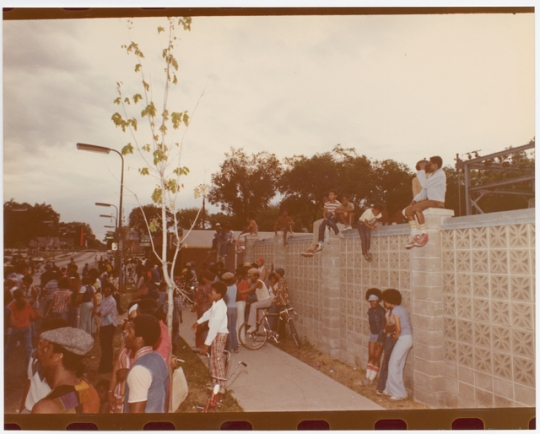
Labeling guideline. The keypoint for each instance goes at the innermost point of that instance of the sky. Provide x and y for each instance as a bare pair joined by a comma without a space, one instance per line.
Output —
402,87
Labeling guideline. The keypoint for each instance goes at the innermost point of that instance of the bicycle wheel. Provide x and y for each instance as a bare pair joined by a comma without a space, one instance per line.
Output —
294,334
252,341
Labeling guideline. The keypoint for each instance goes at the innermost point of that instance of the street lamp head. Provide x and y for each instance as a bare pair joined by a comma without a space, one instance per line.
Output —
103,204
107,216
93,148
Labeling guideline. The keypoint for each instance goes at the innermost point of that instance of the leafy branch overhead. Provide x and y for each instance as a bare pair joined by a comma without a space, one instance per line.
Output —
157,154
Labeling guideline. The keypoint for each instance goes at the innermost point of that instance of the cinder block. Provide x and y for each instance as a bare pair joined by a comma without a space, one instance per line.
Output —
483,398
433,306
483,381
429,367
504,388
433,399
451,370
525,395
466,375
451,386
500,402
426,322
466,391
430,353
428,337
451,401
428,382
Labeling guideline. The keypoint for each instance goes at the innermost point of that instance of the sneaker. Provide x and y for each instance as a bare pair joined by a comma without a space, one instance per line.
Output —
308,253
346,228
412,242
319,248
421,241
340,235
367,382
394,398
379,392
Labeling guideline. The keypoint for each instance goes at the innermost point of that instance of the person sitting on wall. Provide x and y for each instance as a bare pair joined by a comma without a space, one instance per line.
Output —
431,196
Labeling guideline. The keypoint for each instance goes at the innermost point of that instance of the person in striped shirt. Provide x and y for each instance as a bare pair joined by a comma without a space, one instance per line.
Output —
329,218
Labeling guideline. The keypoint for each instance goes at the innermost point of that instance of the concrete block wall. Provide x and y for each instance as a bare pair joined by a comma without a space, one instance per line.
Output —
469,293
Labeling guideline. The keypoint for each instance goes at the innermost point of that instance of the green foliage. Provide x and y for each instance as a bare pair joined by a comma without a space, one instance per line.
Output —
245,183
128,149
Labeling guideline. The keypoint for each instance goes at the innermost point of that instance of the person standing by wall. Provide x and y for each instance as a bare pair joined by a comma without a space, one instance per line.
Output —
404,342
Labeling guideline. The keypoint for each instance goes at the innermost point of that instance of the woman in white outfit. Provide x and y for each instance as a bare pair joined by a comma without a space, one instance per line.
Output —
404,341
264,298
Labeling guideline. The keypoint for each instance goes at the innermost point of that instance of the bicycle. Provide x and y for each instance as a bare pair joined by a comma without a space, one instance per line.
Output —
258,339
214,401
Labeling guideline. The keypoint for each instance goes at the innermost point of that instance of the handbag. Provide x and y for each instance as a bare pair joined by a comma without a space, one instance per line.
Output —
390,328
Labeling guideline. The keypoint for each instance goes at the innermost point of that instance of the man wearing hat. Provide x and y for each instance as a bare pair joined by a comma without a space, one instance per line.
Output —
61,354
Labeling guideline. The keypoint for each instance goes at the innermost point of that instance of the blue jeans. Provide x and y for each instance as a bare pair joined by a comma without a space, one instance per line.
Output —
223,248
24,336
383,372
365,237
232,340
331,222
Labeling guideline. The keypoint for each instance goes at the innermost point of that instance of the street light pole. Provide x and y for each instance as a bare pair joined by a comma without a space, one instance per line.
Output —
104,150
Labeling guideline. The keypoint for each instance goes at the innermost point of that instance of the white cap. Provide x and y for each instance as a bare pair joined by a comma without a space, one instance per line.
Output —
133,308
373,297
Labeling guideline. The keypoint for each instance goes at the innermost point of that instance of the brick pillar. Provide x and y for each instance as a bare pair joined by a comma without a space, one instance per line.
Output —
427,312
330,302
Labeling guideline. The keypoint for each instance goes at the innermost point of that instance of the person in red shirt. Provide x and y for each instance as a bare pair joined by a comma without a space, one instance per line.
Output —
22,313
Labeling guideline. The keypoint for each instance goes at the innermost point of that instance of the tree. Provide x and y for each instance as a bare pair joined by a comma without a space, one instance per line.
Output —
245,183
161,149
23,222
306,181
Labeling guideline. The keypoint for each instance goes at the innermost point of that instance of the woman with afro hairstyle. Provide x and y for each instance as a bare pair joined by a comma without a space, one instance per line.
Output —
404,341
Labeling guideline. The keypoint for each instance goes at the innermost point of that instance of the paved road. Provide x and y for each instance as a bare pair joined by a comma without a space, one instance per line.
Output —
276,381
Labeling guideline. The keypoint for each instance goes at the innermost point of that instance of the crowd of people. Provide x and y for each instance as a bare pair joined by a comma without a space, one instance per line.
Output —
67,316
57,321
60,320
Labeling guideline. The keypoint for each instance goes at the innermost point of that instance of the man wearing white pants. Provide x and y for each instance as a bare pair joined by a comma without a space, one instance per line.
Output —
264,298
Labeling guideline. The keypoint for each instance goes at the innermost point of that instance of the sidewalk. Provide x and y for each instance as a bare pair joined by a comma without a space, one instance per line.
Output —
276,381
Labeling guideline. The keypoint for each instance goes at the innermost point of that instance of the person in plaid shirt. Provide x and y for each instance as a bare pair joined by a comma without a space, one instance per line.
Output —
217,333
61,300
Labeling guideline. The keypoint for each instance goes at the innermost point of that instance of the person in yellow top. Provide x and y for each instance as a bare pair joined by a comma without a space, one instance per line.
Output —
345,212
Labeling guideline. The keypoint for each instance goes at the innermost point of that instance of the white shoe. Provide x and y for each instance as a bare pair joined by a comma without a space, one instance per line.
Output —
394,398
319,248
340,235
252,330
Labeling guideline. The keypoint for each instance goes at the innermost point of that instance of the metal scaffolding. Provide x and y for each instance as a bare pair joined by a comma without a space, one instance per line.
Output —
488,162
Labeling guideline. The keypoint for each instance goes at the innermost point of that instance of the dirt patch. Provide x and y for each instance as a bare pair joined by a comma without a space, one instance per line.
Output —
343,373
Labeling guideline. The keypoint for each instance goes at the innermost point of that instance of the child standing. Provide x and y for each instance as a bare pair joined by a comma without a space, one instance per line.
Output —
367,223
217,333
377,320
329,218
